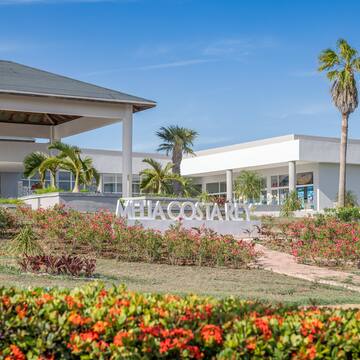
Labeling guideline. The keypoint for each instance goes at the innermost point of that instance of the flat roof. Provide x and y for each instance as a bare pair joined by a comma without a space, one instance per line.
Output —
25,80
272,140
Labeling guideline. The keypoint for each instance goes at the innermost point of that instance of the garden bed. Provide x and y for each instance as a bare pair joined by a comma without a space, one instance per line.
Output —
98,322
323,240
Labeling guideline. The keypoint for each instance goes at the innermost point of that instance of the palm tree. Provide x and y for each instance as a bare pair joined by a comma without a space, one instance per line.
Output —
32,164
248,185
157,179
188,188
177,141
70,159
341,66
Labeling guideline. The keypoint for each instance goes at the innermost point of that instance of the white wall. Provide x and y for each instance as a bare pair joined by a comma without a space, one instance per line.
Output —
329,183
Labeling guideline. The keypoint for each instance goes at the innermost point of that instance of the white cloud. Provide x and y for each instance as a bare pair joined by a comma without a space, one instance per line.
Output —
238,46
174,64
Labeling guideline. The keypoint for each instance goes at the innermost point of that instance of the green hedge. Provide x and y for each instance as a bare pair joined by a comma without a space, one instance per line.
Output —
97,323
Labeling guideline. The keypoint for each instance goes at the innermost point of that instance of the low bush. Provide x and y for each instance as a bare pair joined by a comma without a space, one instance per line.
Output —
345,214
322,240
102,234
25,242
94,322
7,221
58,265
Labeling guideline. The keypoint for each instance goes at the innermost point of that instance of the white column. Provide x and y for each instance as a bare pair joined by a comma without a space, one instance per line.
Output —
127,155
292,176
100,185
229,185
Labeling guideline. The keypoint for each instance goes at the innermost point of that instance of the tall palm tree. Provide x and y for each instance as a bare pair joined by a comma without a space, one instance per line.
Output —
157,179
248,185
177,141
71,160
341,65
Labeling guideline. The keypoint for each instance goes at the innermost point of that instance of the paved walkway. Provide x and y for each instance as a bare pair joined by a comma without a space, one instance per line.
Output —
283,263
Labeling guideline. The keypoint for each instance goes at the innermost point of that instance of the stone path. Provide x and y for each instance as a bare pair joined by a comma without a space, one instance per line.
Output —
283,263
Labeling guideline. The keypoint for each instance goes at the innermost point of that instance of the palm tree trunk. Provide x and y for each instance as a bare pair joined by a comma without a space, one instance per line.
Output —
76,185
53,179
342,169
176,159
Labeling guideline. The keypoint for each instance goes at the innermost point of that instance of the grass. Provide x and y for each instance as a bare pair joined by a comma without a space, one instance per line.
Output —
218,282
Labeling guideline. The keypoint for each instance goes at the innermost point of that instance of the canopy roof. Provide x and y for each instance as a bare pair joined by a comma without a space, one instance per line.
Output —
20,79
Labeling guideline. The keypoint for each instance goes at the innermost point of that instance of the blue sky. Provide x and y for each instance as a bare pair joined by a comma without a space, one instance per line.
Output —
233,70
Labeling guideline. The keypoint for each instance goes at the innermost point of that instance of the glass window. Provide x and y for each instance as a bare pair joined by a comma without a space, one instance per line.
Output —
263,197
64,176
263,183
283,194
65,185
109,188
212,188
283,180
306,178
274,181
223,187
274,197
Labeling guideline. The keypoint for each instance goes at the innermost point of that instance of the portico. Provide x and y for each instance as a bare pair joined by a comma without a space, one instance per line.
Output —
39,104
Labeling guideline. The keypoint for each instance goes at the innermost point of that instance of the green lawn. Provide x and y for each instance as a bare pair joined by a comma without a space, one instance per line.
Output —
219,282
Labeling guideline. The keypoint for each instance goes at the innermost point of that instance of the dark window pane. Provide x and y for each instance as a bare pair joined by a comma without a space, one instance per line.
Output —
263,183
284,180
274,181
109,188
222,187
64,185
305,178
64,176
212,188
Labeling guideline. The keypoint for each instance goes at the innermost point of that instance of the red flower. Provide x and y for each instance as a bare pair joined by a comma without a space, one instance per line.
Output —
100,327
212,333
21,310
262,325
16,353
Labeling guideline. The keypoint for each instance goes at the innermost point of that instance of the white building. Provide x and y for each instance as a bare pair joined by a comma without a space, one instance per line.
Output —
38,104
308,163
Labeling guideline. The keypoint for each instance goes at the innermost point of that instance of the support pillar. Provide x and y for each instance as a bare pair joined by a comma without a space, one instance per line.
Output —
229,185
292,176
127,135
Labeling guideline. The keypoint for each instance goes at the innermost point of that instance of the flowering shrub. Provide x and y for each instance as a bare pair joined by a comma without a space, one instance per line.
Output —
94,322
58,265
7,221
324,241
102,234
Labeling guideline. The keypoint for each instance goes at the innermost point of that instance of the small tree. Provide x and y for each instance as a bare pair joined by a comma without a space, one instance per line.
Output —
248,186
157,179
292,203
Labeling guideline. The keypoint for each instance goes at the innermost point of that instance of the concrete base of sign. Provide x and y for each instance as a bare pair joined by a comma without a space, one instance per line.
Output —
85,202
236,228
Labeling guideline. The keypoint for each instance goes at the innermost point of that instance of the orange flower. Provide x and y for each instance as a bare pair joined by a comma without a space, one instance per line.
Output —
118,339
6,301
311,352
21,310
212,333
262,325
100,327
251,345
17,353
77,319
89,336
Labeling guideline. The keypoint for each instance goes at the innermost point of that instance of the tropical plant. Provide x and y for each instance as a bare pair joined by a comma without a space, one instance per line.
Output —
292,203
177,141
32,166
25,242
341,66
350,199
157,179
248,186
188,188
71,160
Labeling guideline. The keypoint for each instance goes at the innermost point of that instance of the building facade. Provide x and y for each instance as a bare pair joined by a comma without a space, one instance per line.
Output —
308,164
